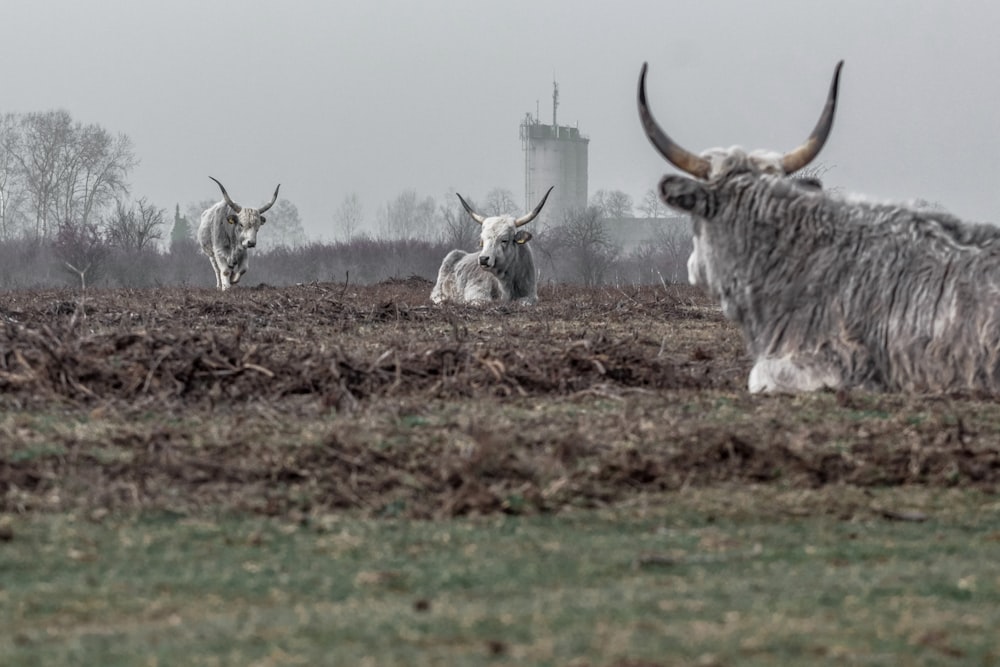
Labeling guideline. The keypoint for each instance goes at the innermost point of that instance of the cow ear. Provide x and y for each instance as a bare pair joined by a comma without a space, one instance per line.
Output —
522,237
688,195
232,219
263,220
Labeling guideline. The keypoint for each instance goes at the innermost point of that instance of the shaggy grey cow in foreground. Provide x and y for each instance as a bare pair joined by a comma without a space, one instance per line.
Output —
831,291
225,236
503,270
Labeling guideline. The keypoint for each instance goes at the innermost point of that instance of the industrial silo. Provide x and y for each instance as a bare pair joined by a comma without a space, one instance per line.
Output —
554,155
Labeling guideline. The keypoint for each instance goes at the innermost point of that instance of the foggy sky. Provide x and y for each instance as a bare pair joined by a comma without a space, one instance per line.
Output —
377,97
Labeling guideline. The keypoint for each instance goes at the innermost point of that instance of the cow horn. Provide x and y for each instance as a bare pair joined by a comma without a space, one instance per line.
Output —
270,203
468,209
525,219
807,152
681,158
233,205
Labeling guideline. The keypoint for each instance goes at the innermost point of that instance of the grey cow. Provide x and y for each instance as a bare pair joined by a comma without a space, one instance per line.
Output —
836,292
503,270
226,232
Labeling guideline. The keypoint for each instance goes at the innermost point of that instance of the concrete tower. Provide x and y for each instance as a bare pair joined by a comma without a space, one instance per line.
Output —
554,155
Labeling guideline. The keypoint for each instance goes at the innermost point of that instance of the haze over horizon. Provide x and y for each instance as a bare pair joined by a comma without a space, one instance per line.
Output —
377,98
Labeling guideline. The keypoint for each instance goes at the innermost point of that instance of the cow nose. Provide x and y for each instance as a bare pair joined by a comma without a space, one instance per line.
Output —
251,244
484,260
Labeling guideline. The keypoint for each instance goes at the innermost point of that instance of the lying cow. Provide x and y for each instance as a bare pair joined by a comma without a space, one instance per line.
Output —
503,270
226,232
832,292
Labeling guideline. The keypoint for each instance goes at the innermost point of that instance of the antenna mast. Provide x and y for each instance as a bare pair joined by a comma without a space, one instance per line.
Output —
555,104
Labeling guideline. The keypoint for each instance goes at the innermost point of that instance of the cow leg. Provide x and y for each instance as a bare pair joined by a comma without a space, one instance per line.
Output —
438,293
485,289
235,273
217,270
238,268
446,288
222,267
792,374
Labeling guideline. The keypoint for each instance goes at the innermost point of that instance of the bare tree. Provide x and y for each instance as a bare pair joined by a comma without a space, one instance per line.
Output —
349,216
283,228
12,194
82,250
98,171
135,228
612,204
584,238
42,137
651,205
500,201
67,170
673,241
407,217
458,230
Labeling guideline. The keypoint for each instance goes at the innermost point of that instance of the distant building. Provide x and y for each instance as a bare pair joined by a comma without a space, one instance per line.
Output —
554,155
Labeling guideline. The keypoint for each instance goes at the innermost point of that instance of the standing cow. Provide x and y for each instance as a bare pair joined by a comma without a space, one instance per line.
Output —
834,292
503,270
226,232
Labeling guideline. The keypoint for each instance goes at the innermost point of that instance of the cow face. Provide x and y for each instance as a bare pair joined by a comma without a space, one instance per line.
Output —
501,238
499,241
699,201
247,222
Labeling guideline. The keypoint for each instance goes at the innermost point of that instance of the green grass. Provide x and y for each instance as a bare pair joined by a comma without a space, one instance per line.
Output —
724,576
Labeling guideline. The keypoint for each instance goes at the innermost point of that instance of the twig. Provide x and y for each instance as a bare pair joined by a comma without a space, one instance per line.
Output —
152,369
259,369
902,515
347,281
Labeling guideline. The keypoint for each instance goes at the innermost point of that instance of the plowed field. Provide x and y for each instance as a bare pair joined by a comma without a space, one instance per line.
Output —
371,400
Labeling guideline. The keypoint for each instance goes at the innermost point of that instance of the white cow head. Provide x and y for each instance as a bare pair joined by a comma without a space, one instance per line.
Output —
719,163
247,220
501,237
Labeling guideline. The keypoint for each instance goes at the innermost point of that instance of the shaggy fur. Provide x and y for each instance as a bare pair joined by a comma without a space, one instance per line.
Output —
504,270
834,292
226,243
226,233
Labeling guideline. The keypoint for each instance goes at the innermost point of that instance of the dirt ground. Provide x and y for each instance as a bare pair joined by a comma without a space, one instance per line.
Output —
330,397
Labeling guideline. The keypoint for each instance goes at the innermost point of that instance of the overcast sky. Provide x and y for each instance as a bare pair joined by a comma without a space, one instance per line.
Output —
376,97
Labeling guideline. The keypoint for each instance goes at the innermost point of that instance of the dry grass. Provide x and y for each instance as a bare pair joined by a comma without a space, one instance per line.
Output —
369,400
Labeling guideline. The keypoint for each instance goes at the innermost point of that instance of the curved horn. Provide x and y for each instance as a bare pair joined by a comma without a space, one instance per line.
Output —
468,209
795,159
270,203
681,158
233,205
528,217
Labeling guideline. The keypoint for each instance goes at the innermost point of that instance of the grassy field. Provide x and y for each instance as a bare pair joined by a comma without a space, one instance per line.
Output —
727,576
319,475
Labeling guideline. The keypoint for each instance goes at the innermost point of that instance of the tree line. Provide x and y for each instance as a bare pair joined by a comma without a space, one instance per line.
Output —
67,217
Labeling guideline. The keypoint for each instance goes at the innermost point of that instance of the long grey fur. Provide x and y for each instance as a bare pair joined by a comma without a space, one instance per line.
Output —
836,292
